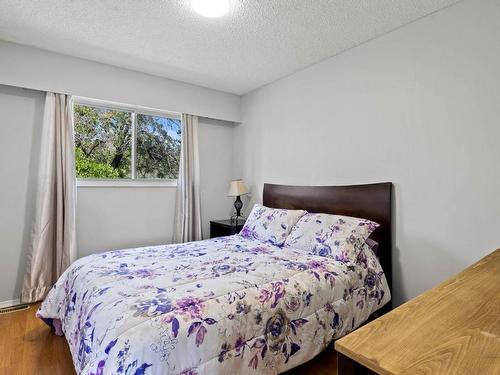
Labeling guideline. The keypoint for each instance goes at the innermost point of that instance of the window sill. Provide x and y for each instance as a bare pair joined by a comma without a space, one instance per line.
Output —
127,183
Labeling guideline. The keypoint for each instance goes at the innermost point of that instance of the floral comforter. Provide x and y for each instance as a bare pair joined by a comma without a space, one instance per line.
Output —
224,306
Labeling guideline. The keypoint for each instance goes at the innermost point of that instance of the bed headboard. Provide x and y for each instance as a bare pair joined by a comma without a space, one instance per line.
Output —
371,201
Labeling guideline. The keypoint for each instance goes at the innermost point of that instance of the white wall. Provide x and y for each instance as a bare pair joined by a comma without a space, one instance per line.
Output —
216,171
37,69
107,218
420,107
114,218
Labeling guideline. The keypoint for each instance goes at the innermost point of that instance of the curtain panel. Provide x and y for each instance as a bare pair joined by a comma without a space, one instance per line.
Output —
188,208
53,237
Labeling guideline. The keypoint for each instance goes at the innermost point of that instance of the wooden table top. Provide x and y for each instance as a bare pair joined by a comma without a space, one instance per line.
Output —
453,328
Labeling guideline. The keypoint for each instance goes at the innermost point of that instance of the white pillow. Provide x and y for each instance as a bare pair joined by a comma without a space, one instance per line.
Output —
270,224
334,236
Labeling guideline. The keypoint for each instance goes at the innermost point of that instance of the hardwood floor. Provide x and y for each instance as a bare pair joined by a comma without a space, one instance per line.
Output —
28,346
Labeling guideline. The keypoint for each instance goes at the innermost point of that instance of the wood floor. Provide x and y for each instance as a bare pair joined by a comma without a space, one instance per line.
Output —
28,346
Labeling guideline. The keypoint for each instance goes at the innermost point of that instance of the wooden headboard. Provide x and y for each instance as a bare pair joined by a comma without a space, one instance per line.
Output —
371,201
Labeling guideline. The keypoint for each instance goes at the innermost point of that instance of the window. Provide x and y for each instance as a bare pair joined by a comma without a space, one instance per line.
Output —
120,143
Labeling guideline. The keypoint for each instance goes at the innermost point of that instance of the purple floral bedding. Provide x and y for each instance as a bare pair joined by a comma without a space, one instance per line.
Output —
230,305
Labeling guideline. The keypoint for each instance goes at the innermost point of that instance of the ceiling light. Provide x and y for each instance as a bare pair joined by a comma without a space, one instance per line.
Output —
211,8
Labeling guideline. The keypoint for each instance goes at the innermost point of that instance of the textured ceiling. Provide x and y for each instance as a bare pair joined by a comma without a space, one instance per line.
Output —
257,43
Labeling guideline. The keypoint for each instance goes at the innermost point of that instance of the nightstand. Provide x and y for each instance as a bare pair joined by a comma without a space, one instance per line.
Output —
220,228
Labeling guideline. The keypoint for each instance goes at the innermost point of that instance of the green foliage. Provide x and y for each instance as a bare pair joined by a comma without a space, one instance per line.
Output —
88,168
103,142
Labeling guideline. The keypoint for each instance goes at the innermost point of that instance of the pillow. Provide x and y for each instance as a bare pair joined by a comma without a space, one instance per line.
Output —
270,224
334,236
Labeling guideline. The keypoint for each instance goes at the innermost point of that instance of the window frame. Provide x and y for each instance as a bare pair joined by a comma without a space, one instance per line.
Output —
134,110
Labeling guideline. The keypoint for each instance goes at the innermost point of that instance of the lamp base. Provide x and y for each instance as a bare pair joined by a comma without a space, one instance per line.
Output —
238,204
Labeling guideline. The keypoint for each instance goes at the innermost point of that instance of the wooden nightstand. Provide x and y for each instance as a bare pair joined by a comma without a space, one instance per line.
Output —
220,228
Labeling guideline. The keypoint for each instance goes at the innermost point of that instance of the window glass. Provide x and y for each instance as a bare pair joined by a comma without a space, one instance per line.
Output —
102,142
158,147
120,144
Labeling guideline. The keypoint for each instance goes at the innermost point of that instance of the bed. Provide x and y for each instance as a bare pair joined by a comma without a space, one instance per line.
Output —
231,305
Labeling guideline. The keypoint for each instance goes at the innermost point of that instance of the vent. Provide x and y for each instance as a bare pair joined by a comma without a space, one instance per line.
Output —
10,309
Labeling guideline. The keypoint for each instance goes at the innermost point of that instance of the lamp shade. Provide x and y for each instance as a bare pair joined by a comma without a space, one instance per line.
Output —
237,188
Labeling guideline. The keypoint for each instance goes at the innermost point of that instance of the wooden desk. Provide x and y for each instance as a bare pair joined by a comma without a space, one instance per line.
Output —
453,328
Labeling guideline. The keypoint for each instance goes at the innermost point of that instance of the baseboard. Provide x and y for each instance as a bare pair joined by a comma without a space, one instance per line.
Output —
12,302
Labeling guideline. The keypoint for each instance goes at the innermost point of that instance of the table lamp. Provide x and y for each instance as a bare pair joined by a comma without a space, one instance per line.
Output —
237,189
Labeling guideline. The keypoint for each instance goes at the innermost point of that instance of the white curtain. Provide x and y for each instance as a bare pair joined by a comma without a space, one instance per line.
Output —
53,240
188,212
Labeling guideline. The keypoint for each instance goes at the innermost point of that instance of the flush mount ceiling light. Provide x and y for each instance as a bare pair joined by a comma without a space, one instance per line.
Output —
211,8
